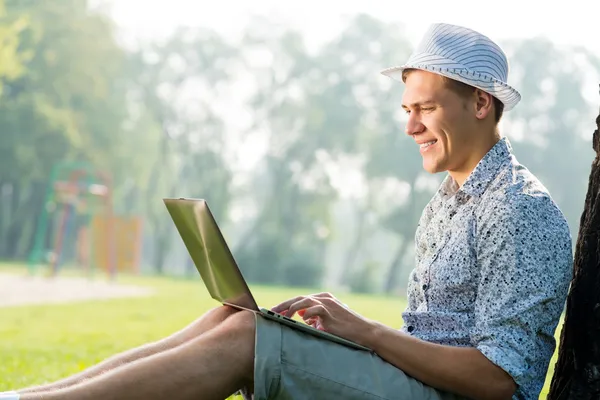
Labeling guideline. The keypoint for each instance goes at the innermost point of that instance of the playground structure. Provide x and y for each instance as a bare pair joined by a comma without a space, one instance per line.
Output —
78,210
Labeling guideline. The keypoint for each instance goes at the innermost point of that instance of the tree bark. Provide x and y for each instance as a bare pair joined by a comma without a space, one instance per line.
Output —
394,269
347,267
577,372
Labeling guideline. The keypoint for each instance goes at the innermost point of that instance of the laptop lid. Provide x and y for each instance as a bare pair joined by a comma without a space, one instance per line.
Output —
209,252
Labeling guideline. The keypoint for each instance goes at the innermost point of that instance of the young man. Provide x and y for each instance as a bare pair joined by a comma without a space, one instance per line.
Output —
493,264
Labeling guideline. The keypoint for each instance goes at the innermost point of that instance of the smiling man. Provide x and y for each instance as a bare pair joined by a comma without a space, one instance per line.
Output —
493,264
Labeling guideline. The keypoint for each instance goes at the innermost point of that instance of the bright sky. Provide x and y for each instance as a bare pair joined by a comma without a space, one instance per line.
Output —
570,22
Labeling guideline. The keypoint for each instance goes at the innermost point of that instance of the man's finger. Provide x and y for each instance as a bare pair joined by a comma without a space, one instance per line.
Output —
315,312
329,300
279,308
332,300
301,305
325,295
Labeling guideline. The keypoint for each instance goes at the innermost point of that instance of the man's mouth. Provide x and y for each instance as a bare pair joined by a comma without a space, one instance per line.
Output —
426,145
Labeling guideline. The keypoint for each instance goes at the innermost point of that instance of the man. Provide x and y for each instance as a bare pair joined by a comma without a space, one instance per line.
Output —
493,264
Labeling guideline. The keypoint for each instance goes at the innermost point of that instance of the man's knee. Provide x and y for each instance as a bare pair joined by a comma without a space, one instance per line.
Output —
213,317
241,323
222,312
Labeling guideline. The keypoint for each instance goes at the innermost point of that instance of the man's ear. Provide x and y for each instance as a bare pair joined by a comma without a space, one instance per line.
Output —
483,104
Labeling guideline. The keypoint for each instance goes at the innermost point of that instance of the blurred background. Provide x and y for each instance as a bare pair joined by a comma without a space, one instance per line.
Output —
275,112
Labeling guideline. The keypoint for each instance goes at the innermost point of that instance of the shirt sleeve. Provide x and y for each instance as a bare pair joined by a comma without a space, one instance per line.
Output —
524,253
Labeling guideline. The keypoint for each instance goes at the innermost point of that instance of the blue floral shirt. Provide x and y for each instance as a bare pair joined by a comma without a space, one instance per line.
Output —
494,262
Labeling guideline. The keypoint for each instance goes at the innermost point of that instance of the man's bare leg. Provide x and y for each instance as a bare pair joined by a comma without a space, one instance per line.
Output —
211,366
202,325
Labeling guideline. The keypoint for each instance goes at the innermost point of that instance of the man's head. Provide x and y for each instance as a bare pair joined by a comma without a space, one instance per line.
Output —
456,92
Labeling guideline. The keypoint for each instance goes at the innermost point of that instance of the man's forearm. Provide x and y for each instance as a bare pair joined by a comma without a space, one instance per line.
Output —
460,370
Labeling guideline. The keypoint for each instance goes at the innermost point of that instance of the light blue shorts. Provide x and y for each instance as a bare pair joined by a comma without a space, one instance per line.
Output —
290,364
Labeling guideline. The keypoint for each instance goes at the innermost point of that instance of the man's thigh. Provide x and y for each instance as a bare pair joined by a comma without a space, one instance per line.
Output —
290,364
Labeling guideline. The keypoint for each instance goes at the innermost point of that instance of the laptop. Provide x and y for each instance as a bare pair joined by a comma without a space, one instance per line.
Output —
218,269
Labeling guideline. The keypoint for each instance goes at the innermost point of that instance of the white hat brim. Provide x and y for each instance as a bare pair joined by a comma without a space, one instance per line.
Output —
508,95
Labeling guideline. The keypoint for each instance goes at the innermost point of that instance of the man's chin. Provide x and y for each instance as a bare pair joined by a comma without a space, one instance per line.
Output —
432,168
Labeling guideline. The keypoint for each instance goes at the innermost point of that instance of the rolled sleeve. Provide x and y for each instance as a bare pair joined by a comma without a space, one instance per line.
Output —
525,263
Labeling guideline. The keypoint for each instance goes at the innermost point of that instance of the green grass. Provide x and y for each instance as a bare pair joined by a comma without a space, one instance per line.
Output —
44,343
47,342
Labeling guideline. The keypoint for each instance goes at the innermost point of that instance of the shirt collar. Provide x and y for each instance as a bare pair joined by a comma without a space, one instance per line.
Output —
485,171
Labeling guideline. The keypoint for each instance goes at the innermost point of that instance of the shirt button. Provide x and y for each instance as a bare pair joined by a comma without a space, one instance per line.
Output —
424,287
410,328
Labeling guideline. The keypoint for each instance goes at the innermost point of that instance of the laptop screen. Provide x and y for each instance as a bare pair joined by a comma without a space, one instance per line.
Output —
209,252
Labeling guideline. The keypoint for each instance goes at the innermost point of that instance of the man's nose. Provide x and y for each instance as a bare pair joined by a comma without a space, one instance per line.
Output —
414,125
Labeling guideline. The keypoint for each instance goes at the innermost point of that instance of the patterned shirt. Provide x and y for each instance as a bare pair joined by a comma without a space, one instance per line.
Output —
494,262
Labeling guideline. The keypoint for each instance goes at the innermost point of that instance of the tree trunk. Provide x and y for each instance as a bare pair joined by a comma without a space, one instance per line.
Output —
347,267
394,268
411,218
577,372
161,248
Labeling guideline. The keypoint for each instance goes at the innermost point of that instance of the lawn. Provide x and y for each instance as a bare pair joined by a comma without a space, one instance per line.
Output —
47,342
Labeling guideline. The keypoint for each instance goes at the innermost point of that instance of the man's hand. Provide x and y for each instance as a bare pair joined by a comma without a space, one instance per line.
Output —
323,311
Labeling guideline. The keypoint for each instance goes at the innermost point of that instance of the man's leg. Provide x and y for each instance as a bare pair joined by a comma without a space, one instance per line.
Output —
202,325
211,366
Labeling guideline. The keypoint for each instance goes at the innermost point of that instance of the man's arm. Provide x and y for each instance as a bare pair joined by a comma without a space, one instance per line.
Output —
460,370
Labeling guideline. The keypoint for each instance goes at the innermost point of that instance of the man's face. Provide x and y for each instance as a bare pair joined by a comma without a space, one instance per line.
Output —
440,121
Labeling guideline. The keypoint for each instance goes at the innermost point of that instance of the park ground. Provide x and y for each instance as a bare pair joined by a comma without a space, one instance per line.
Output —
48,341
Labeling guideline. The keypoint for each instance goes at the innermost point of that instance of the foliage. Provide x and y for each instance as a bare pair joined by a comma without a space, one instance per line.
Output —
11,57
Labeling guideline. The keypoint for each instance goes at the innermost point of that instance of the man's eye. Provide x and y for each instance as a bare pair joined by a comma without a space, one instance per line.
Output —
427,109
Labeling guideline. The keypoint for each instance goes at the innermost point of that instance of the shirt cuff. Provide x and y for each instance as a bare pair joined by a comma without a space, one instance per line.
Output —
509,360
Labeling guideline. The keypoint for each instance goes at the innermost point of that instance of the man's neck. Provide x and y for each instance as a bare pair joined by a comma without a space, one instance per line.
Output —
479,151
